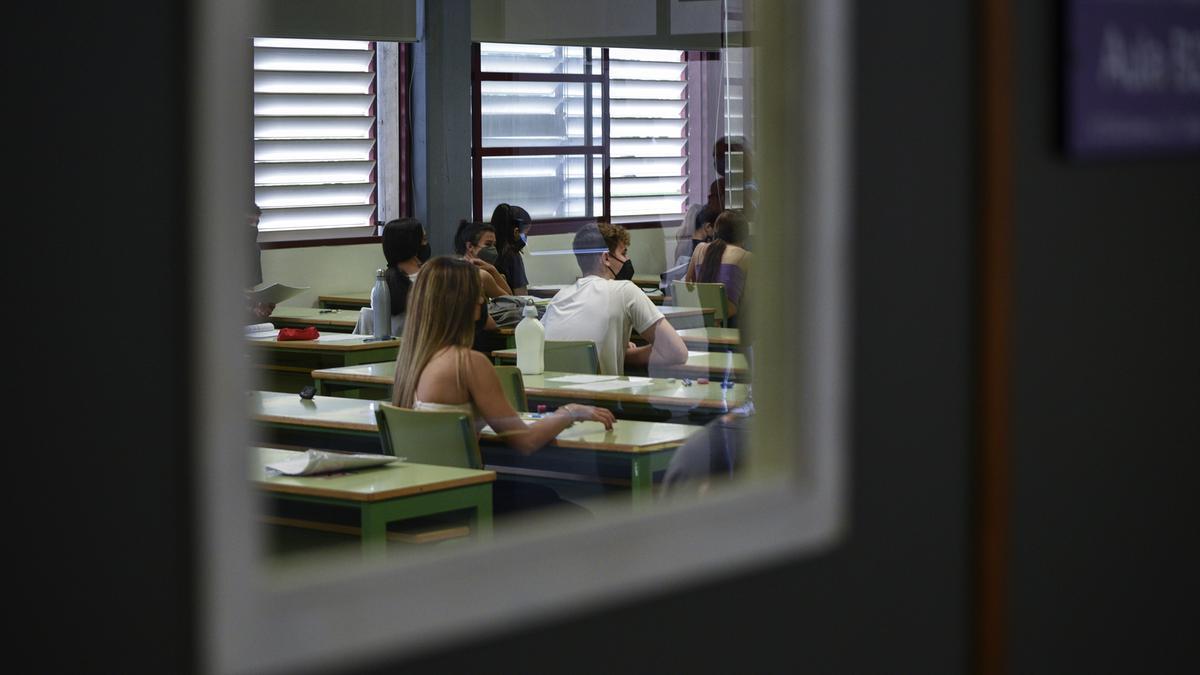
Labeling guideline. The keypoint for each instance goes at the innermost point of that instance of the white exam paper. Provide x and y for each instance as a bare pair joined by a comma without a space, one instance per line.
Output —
579,379
319,461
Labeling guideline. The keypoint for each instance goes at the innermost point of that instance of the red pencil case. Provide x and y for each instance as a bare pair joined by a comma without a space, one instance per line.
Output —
309,333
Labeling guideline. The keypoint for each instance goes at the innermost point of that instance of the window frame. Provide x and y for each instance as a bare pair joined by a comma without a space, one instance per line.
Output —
346,617
587,151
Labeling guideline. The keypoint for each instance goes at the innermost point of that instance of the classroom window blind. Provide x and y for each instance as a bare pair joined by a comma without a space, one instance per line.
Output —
581,132
314,133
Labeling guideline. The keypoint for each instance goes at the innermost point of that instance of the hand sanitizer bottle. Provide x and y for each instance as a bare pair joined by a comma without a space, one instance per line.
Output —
531,343
381,306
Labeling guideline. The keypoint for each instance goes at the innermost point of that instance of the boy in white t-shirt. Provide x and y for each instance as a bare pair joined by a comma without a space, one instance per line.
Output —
605,307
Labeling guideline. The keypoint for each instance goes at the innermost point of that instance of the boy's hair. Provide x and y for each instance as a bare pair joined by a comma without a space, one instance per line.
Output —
595,238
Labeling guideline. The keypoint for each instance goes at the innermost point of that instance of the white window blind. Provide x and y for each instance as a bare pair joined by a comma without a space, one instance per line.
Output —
314,133
647,115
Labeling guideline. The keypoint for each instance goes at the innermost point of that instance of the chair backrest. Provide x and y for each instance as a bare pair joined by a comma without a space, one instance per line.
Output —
572,356
426,437
514,387
706,296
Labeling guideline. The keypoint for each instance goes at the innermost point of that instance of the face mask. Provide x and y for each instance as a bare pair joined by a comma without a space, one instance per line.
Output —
626,271
520,242
488,254
719,164
424,252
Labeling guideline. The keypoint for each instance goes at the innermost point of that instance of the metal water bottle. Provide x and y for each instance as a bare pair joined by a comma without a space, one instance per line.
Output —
381,306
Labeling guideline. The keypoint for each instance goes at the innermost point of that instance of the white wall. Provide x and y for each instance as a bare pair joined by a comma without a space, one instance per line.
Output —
324,269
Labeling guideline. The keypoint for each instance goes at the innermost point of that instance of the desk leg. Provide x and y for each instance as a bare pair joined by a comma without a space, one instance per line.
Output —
374,522
481,521
641,480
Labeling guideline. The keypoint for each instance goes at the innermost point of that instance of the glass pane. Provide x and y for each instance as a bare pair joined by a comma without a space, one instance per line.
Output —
548,186
525,114
497,57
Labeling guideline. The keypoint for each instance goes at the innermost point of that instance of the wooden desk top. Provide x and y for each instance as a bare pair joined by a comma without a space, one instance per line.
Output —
714,336
311,316
667,392
330,412
671,310
646,280
326,342
375,484
549,290
698,364
362,298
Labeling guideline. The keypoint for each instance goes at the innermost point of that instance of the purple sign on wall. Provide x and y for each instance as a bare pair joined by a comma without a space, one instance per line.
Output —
1133,77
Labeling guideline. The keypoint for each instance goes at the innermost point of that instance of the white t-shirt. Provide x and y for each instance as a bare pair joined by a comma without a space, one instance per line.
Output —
604,311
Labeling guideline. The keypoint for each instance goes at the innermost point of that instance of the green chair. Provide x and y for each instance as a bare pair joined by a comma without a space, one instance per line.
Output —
703,295
514,387
572,356
426,437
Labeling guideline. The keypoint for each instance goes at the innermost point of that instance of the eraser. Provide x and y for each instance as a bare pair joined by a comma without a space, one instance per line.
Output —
703,380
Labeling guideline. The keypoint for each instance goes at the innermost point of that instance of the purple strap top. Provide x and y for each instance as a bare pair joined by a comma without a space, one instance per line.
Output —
734,279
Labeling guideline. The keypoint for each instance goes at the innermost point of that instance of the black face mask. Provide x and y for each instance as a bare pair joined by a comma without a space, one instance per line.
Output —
519,243
424,253
626,271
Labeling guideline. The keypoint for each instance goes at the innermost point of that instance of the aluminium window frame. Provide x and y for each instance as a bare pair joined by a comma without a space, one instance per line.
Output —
252,621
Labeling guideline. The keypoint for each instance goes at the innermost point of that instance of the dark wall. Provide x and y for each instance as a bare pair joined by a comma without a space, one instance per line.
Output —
1106,403
95,221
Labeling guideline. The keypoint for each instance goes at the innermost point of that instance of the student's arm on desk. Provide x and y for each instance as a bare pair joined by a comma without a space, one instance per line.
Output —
494,284
666,348
484,389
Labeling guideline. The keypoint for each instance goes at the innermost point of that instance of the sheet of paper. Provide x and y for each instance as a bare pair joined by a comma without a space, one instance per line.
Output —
273,294
319,461
341,337
264,335
579,379
608,385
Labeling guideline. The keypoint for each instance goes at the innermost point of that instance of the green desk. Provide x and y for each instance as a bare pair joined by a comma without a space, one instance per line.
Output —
644,398
712,339
647,281
345,301
331,320
626,456
385,494
711,365
288,366
549,290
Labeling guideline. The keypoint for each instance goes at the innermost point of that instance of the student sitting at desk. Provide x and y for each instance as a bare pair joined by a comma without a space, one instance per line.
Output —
605,307
437,370
724,261
511,224
406,247
476,243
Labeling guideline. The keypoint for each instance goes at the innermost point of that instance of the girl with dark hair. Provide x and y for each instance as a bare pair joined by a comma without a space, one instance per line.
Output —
405,247
724,260
512,226
476,243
